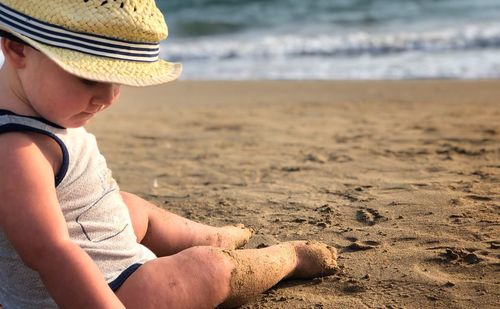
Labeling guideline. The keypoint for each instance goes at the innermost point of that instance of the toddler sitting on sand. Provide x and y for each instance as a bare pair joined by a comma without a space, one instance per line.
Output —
68,236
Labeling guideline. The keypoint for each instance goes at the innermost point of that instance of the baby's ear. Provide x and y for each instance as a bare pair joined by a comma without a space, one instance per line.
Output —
14,53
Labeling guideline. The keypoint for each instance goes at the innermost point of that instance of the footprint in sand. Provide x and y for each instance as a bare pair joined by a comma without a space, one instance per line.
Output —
261,241
460,255
480,198
340,158
494,244
327,214
362,245
369,216
434,276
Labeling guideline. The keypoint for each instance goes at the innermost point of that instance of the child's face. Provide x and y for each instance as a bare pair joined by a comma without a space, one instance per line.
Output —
60,97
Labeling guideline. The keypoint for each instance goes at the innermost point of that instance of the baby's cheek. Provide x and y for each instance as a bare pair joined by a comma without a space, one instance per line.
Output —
60,93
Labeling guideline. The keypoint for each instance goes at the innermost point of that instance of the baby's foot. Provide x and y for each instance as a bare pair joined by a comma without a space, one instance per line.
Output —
314,259
231,237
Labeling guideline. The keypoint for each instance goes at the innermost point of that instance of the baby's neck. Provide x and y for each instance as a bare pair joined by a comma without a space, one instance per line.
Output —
10,94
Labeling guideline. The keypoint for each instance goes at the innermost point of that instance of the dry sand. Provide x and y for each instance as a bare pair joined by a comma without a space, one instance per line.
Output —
403,178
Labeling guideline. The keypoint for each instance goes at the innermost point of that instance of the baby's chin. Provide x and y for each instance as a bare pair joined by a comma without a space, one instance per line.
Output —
75,122
77,125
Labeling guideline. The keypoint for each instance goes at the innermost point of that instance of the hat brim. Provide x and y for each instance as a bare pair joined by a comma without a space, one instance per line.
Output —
102,69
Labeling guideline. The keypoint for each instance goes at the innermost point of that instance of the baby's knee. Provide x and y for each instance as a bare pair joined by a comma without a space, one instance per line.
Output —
213,259
215,266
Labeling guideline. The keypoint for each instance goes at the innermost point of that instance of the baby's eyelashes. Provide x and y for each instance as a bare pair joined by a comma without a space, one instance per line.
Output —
88,82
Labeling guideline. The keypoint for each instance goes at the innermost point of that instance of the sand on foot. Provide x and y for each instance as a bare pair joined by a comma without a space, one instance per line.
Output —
259,269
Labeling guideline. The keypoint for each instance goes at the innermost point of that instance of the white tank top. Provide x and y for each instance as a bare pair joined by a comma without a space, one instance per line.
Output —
97,218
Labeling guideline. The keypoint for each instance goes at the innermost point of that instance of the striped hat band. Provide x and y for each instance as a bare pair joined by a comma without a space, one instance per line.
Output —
57,36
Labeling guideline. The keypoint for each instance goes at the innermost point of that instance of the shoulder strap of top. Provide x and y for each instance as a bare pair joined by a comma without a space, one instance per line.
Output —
10,122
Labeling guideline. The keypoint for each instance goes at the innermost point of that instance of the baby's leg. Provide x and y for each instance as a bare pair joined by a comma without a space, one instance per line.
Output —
258,270
204,277
166,233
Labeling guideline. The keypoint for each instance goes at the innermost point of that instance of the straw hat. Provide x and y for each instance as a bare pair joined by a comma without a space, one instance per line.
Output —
113,41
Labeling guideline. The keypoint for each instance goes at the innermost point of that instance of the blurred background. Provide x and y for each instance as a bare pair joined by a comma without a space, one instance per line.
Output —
333,39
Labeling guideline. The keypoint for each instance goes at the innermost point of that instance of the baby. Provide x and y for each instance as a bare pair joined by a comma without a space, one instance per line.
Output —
68,236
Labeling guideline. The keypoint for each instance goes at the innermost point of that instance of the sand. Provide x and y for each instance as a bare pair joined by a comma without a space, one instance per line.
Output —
403,178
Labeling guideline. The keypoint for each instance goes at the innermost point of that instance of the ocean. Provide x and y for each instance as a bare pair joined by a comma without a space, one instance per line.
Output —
333,39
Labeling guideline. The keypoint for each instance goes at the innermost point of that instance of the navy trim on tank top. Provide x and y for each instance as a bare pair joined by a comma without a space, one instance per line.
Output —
15,127
118,282
7,112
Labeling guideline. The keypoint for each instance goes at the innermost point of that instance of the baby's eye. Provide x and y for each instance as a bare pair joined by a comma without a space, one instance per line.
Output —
88,82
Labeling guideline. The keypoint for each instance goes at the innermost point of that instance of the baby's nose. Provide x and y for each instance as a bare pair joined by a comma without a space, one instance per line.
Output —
106,94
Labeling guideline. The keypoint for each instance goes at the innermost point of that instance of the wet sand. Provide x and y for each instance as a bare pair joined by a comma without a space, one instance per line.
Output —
403,178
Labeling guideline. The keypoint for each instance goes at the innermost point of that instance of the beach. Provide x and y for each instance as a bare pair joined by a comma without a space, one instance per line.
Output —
402,177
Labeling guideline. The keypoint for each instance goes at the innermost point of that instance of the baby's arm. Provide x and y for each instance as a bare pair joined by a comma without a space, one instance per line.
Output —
31,219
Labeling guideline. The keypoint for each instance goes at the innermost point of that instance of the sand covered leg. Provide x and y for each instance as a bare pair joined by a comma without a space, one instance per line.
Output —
204,277
258,270
166,233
